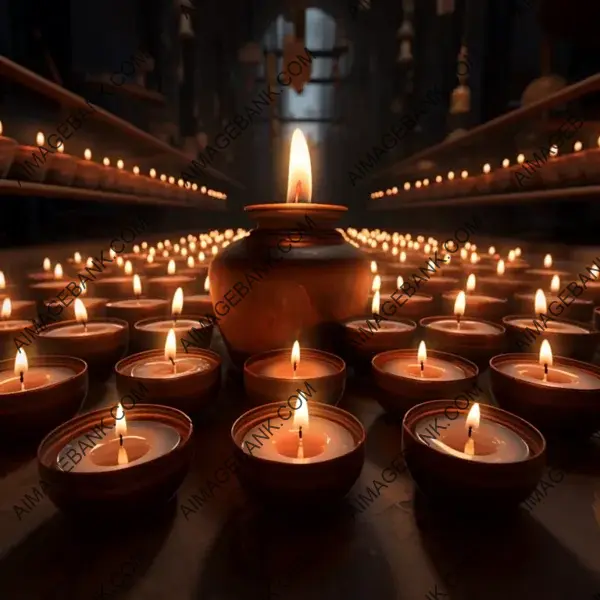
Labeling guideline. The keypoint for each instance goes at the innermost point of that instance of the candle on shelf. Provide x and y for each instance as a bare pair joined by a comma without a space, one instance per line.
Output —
89,173
61,167
139,308
23,153
557,394
481,306
8,147
271,375
48,288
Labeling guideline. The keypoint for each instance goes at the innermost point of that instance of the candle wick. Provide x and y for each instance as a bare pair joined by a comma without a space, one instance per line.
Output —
121,439
85,326
470,430
22,378
457,321
174,365
300,432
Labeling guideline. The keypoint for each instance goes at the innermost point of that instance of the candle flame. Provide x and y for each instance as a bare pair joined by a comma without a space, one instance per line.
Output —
492,250
21,363
546,353
399,281
376,303
402,257
422,352
137,285
474,258
376,285
486,168
214,250
518,251
207,284
128,268
6,308
2,280
112,254
295,356
540,304
474,416
555,284
299,188
171,345
177,303
77,257
106,161
373,267
1,129
511,256
150,259
548,261
471,281
89,262
301,412
40,139
58,271
120,164
500,268
120,422
61,148
136,170
190,262
81,315
171,267
460,304
87,154
153,173
47,265
120,262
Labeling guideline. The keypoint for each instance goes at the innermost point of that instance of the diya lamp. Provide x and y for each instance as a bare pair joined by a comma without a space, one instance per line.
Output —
577,309
43,290
37,397
8,147
406,377
99,342
89,173
165,286
363,337
472,338
448,267
502,285
148,334
544,276
151,264
314,456
413,307
475,265
194,269
486,457
200,304
5,288
61,167
480,306
95,307
46,274
277,374
19,309
76,260
10,328
122,461
557,394
22,153
117,287
569,338
108,175
138,308
186,383
299,288
514,264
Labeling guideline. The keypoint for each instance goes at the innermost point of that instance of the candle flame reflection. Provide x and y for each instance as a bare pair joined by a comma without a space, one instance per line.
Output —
471,281
207,284
137,285
548,261
540,304
500,268
555,284
299,188
177,304
376,285
6,309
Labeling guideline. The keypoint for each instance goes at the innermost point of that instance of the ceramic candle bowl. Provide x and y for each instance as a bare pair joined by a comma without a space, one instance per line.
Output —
417,307
578,310
554,409
33,412
100,350
478,306
165,286
198,304
580,344
119,493
116,288
10,289
9,330
397,392
145,337
502,286
188,393
311,484
46,290
19,169
22,309
133,311
61,169
472,485
261,388
478,348
95,308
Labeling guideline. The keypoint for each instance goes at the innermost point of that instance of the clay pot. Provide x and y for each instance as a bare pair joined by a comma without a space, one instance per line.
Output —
312,281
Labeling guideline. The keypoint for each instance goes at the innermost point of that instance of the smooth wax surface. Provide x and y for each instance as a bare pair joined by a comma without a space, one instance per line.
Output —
95,328
164,326
280,367
36,377
558,376
467,327
137,303
13,324
493,442
381,326
155,368
157,437
550,326
434,369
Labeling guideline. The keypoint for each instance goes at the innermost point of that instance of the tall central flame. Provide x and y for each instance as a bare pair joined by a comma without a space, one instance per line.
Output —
299,187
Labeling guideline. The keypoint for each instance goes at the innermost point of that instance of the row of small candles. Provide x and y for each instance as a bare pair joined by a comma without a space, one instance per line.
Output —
62,169
486,169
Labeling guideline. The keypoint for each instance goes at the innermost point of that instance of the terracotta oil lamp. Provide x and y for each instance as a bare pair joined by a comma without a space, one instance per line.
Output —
61,167
88,172
298,292
43,290
544,275
8,147
95,307
502,285
480,305
22,153
116,287
164,286
10,328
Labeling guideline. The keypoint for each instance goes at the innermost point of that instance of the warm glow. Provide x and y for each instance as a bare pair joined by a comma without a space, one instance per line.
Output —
21,364
177,304
577,146
40,139
137,285
295,356
474,417
505,163
402,257
6,310
299,187
190,262
450,175
555,284
163,178
399,282
500,268
517,251
540,304
511,256
487,168
120,262
77,257
89,262
207,284
463,253
474,258
553,151
471,281
150,259
376,285
153,173
120,425
373,267
80,311
58,271
545,353
422,352
464,174
460,304
375,305
47,265
136,249
201,256
492,251
171,345
136,170
171,267
520,158
61,148
425,182
438,179
1,129
301,412
106,161
120,164
87,154
548,261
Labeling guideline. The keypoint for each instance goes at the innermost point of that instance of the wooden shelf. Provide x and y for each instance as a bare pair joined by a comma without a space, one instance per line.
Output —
10,187
396,202
129,89
20,74
571,92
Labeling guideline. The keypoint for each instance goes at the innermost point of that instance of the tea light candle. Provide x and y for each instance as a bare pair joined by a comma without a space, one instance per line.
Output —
381,324
82,328
45,274
484,307
501,284
547,270
281,367
95,307
50,287
200,304
471,438
116,287
6,323
133,444
23,379
19,309
139,308
177,324
24,153
460,326
165,286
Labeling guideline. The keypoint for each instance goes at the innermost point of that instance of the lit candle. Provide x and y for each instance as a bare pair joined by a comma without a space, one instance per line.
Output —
201,303
82,328
139,308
